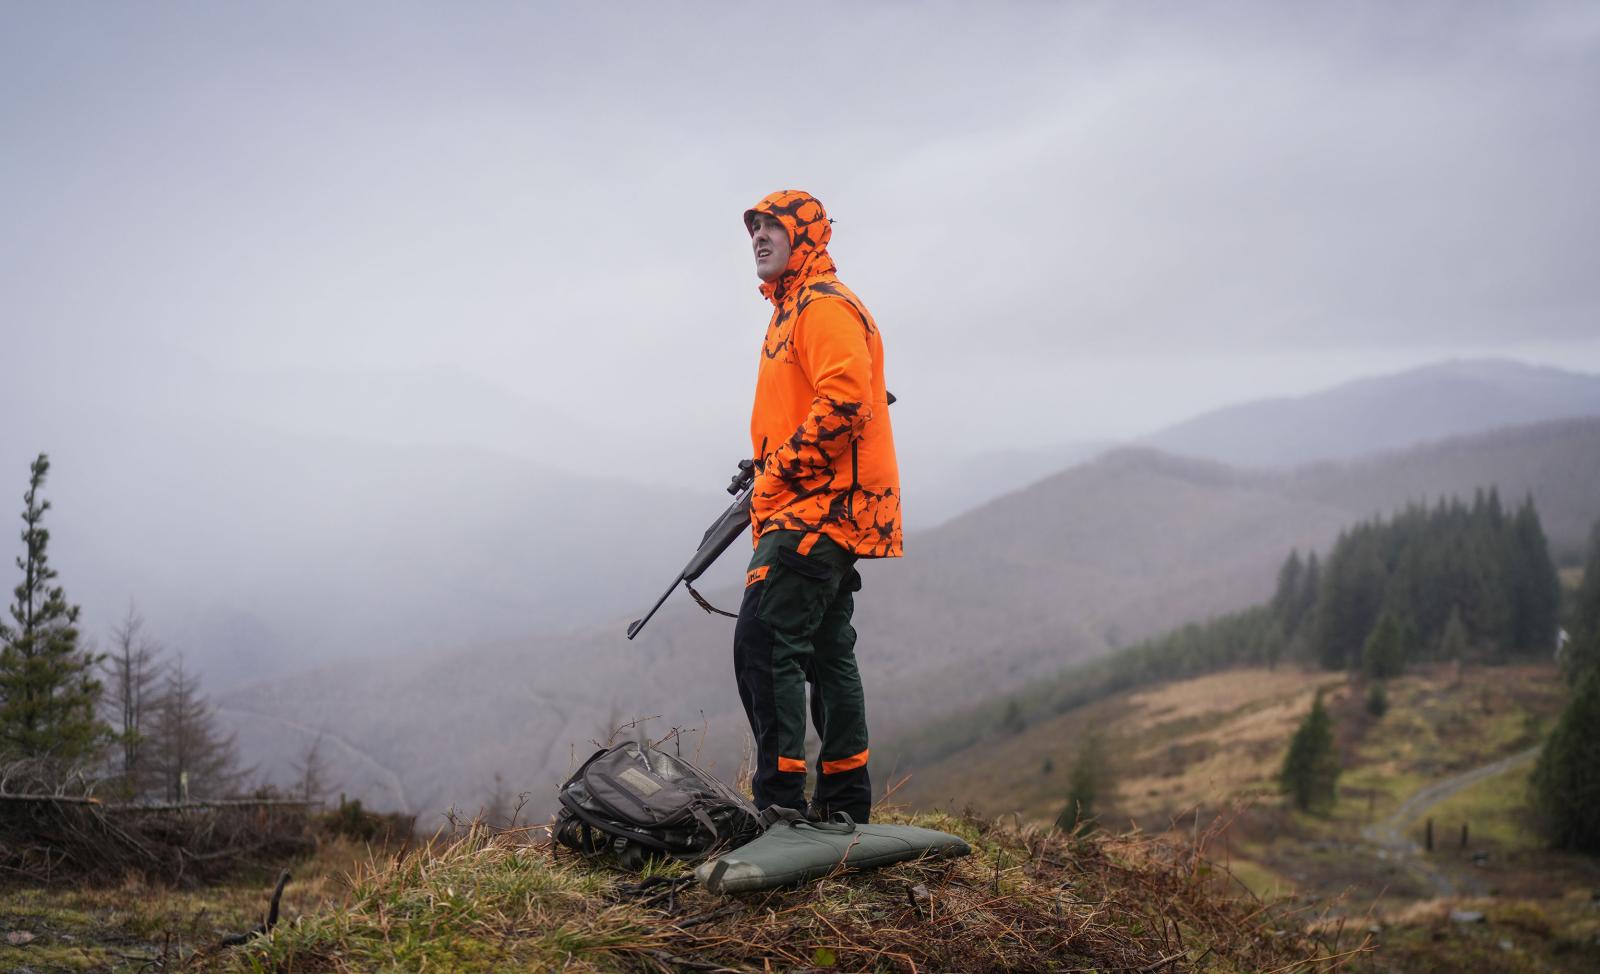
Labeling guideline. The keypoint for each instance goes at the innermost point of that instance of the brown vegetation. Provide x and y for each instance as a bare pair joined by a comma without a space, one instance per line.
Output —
1026,900
60,839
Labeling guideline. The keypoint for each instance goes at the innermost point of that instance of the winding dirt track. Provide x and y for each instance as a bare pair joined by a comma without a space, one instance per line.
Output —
1390,836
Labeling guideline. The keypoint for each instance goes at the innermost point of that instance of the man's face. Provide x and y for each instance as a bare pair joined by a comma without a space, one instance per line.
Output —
771,245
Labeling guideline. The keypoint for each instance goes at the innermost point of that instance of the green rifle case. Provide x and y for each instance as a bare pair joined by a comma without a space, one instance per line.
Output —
794,850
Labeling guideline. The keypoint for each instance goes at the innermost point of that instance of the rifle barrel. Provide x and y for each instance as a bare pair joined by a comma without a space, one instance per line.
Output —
633,630
733,522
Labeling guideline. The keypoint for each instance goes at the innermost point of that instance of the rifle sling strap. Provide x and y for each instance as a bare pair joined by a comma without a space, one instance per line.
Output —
707,605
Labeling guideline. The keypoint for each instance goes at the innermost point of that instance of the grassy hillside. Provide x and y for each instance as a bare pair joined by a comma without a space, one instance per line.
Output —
1169,749
1207,751
1214,741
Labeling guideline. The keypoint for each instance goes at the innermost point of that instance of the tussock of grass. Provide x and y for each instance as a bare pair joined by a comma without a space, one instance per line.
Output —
1024,901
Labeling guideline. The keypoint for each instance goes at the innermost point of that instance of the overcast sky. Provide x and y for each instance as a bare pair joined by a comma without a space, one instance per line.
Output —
1071,220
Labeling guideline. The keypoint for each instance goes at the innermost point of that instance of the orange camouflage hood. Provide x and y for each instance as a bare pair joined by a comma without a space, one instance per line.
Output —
809,231
820,425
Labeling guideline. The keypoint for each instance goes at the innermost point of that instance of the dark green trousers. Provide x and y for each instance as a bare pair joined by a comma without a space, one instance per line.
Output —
794,630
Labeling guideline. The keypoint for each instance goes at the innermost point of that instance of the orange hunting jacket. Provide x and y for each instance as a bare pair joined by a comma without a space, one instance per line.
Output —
820,427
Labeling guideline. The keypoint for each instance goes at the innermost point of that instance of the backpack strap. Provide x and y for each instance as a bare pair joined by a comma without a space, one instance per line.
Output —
705,822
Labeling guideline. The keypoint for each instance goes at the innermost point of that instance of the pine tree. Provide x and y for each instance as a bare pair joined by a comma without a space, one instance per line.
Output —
1384,654
1310,589
1286,598
1011,721
1566,781
131,673
1273,643
1406,594
1350,599
1377,699
48,693
1310,773
1301,643
1535,586
1583,632
1454,643
311,774
191,756
1487,606
1083,786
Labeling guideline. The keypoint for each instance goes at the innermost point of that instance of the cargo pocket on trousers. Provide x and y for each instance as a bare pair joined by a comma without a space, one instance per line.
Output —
798,590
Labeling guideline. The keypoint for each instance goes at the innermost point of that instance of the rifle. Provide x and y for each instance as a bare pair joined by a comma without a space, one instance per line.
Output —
716,540
722,533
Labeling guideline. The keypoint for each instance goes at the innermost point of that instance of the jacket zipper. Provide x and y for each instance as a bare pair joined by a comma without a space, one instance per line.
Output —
855,481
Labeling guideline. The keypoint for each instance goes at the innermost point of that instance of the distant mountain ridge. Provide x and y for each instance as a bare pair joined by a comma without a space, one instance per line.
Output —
1100,555
1383,412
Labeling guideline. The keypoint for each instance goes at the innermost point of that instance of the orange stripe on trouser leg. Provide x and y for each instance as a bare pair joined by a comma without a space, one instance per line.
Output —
755,575
807,543
792,764
850,763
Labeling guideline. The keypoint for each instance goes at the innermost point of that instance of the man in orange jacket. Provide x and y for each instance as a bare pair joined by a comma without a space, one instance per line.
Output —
827,492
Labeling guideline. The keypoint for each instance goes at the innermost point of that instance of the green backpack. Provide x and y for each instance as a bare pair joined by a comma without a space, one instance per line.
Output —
634,802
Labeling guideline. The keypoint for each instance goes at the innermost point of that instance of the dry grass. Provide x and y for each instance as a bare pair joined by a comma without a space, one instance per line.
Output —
1204,741
1216,739
55,839
1225,692
1239,721
1024,901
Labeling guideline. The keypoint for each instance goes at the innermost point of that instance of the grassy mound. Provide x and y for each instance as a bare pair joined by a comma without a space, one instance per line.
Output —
1024,901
